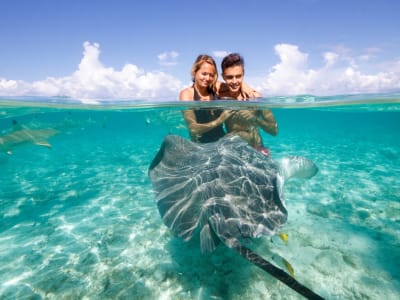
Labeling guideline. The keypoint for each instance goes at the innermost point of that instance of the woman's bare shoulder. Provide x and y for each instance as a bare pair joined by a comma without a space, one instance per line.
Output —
187,94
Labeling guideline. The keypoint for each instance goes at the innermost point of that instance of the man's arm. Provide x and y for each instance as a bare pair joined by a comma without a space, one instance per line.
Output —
267,122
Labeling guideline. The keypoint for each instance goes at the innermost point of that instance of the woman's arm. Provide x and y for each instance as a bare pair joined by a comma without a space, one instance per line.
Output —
197,129
222,90
249,92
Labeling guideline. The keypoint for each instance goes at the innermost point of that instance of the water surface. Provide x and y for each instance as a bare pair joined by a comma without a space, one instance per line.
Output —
79,219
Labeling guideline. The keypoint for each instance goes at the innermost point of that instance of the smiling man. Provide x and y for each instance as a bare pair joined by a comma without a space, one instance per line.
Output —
245,123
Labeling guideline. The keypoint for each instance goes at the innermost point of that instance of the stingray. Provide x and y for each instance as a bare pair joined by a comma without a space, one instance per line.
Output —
20,135
227,192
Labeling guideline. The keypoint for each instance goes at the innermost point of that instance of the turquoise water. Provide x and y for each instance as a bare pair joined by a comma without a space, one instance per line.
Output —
78,220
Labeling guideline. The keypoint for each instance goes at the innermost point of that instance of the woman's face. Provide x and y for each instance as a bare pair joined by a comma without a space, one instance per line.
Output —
204,77
233,77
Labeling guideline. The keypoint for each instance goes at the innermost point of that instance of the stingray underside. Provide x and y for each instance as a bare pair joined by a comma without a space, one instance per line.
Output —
226,187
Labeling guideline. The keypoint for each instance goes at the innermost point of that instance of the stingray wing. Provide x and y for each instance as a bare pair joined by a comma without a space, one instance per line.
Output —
225,185
175,175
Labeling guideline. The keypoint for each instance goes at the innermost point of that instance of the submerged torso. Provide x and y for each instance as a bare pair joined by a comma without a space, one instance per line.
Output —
208,115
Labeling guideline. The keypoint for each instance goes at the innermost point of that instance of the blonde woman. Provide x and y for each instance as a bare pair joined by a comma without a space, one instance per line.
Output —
205,125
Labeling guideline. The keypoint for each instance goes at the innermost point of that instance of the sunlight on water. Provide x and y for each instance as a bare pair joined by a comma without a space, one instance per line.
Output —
79,219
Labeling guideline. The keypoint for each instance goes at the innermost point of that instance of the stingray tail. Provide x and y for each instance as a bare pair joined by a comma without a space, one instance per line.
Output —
275,271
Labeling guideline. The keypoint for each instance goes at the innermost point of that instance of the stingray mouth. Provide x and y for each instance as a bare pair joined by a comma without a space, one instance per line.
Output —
158,158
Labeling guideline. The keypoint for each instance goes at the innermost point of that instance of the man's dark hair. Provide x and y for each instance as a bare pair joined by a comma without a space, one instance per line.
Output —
231,60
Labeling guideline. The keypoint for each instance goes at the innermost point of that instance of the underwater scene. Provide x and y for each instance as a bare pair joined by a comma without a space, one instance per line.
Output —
79,216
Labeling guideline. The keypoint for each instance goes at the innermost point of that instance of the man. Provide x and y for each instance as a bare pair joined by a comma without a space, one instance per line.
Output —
245,123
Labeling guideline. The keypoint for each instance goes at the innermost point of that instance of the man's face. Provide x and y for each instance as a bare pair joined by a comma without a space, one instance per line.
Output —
233,77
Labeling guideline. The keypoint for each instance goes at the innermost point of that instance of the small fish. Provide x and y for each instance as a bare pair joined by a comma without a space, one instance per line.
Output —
284,237
280,260
288,266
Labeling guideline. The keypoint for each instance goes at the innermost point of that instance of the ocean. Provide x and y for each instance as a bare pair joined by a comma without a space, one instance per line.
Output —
79,218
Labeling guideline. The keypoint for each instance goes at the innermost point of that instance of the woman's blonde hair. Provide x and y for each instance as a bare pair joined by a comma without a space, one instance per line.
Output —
204,58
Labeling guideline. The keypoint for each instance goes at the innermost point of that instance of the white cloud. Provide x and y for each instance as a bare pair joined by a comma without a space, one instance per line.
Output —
220,54
8,84
93,80
340,74
330,58
168,58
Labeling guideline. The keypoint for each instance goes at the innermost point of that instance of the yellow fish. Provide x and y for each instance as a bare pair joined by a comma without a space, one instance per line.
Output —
284,237
288,266
279,260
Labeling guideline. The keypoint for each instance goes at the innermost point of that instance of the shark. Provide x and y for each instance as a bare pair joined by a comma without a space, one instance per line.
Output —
20,135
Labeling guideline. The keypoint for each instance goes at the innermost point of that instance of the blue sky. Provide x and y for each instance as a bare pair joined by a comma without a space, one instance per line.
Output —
130,49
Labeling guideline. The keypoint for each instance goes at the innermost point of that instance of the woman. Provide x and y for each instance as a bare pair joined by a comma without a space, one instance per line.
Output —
205,125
